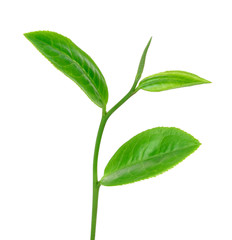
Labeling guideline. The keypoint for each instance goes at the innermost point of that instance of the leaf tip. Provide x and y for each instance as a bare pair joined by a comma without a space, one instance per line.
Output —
207,81
26,35
203,80
149,42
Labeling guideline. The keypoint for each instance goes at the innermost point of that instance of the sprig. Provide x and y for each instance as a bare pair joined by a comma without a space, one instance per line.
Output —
149,153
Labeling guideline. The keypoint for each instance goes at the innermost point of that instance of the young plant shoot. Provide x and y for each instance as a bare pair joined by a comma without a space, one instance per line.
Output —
147,154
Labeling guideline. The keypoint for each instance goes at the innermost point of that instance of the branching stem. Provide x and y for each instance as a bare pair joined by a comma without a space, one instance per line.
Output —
96,183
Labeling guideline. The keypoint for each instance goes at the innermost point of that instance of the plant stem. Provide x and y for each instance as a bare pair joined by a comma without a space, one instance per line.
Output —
96,183
123,100
94,211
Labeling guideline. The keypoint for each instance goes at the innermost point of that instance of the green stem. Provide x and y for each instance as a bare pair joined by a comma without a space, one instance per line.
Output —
94,211
96,184
123,100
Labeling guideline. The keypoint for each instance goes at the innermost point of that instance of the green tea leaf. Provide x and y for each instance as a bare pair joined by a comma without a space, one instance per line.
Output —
148,154
170,80
73,62
142,62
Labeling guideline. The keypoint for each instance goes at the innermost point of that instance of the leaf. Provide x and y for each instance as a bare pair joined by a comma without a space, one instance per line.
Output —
148,154
170,80
73,62
142,62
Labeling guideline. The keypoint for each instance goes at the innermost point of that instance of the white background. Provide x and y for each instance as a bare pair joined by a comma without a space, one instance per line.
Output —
48,126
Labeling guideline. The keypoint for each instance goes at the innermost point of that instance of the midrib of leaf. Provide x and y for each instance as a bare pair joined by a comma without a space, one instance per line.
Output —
140,162
75,62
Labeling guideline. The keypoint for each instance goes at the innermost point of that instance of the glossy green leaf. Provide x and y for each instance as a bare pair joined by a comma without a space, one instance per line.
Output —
170,80
142,62
73,62
148,154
